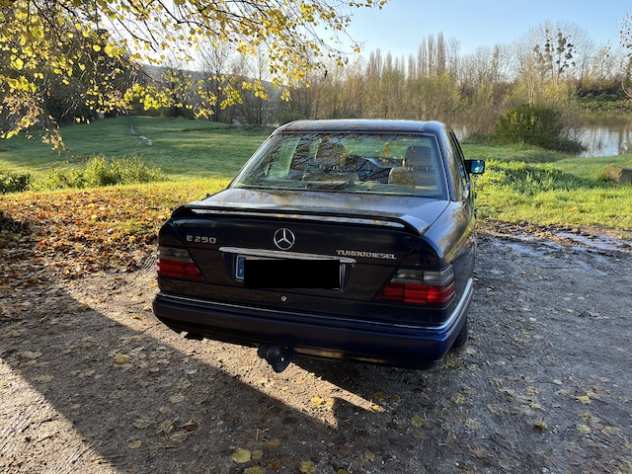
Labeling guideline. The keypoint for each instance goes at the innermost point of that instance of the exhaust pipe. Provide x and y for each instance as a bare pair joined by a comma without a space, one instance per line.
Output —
278,357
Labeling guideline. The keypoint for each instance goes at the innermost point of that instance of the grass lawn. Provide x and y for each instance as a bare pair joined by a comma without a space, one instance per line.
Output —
522,183
181,148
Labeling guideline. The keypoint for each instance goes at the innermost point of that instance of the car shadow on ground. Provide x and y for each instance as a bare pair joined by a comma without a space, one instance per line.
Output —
135,403
87,391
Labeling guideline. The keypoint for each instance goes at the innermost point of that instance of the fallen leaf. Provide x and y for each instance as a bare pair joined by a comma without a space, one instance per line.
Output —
273,443
479,452
257,454
458,399
254,470
584,399
307,467
582,428
275,464
472,424
121,359
179,436
141,423
135,444
368,456
166,427
241,456
190,426
540,425
29,355
43,378
608,430
417,421
317,401
177,398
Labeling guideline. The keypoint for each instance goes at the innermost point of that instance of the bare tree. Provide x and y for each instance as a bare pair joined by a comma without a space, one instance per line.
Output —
556,55
625,36
442,54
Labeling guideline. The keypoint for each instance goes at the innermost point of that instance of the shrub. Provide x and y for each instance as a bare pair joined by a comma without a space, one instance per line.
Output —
135,170
98,171
529,179
536,125
13,182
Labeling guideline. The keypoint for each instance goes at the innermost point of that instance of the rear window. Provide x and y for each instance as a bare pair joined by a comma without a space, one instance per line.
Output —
347,162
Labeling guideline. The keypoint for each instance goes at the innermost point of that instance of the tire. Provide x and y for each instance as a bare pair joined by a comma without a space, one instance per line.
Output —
461,339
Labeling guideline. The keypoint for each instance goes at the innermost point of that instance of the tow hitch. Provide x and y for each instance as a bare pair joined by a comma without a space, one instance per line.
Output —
278,357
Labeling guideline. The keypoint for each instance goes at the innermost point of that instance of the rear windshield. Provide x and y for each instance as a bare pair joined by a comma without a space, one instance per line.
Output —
347,162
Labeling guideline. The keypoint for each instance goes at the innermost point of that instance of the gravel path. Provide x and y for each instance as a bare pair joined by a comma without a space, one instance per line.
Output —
91,382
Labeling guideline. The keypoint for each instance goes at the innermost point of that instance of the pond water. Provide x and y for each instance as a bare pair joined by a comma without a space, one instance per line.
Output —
602,140
599,140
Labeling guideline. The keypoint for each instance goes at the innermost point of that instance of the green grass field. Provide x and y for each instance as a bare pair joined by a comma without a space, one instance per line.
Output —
523,183
181,148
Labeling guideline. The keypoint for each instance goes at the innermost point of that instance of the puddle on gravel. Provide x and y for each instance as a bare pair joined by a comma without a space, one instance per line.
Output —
530,245
601,243
533,248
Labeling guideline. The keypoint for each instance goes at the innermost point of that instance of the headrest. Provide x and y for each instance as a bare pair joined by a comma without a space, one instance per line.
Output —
402,176
330,150
418,157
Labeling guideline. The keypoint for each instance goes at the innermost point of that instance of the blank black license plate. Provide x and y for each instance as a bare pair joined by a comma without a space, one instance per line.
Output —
287,273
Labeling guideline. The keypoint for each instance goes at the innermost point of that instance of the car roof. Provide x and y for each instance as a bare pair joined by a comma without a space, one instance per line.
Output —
363,125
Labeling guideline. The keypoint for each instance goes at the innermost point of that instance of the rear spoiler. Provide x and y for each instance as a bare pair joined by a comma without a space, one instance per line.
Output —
405,223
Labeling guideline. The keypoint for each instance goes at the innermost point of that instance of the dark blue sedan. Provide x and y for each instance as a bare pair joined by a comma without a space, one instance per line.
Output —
339,239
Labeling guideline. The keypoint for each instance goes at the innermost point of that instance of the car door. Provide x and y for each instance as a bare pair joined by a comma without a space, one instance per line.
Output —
466,195
467,191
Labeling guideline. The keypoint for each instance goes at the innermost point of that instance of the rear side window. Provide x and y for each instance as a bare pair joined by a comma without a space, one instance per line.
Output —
459,162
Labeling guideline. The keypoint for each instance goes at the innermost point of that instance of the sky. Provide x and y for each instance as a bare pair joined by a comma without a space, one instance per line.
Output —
402,23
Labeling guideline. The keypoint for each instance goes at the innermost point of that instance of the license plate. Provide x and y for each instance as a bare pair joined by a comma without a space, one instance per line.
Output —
287,273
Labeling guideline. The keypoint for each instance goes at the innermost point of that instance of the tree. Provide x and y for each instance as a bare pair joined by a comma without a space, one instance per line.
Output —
625,36
556,55
216,59
36,38
442,54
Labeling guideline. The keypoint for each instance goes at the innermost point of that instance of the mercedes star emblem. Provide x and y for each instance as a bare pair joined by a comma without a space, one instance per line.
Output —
284,238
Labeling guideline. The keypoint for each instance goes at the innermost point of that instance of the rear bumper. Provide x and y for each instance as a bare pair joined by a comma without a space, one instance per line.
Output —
316,335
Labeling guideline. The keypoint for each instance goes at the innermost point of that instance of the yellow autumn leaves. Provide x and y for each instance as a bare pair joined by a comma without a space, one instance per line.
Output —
42,52
245,456
93,48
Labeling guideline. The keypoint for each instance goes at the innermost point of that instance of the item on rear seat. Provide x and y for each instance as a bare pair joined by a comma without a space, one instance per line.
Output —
402,176
419,159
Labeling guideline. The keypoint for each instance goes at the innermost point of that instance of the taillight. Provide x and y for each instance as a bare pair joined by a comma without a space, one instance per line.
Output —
177,263
412,286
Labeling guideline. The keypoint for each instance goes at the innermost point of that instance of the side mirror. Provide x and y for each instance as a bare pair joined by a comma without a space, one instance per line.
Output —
475,166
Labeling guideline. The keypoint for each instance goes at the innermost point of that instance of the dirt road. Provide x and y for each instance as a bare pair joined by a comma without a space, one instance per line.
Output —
91,382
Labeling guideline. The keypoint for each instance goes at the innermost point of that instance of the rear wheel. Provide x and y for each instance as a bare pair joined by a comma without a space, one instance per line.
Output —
461,339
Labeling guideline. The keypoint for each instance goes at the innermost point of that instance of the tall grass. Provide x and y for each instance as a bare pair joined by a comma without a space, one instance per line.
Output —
98,171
